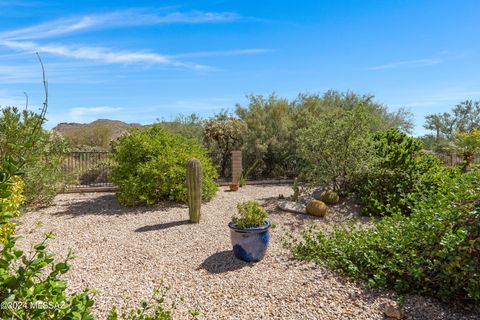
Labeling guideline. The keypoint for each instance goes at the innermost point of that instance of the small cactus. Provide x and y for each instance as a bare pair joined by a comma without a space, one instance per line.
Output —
329,196
317,208
296,190
194,185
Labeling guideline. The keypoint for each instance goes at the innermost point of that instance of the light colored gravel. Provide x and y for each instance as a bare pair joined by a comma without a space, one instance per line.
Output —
125,252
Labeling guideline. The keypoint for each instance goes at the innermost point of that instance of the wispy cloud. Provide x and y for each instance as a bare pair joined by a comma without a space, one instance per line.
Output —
101,54
125,18
238,52
408,64
92,111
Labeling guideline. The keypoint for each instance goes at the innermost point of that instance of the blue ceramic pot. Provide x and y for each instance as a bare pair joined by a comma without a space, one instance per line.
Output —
250,244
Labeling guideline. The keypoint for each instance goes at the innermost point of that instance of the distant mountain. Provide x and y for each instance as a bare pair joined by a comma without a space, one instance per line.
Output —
98,133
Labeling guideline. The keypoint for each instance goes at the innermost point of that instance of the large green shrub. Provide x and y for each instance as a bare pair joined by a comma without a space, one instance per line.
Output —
151,166
336,148
434,251
40,158
398,176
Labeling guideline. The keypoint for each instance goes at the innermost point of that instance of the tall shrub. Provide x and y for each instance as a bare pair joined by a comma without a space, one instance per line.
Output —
151,166
336,148
398,176
40,158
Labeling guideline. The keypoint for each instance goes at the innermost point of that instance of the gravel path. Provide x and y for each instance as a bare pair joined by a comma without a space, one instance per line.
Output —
126,252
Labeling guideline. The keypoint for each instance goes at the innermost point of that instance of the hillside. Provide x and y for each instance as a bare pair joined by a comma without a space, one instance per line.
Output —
98,133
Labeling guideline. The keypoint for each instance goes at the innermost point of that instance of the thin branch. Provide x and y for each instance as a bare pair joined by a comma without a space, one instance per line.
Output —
26,100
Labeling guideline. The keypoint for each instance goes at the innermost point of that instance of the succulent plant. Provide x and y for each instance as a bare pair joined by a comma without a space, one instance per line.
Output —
194,186
329,196
317,208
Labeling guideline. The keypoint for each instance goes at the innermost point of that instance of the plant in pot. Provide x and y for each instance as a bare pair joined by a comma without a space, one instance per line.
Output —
250,231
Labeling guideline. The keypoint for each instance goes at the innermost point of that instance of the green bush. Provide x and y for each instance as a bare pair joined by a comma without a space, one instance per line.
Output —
336,148
250,215
434,251
31,288
151,166
398,176
39,157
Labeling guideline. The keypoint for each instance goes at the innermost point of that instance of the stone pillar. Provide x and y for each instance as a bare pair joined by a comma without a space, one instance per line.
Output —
236,165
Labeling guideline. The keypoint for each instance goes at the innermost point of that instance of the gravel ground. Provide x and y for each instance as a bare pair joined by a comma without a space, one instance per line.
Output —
126,252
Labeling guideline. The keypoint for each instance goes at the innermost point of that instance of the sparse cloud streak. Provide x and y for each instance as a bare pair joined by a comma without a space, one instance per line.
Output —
238,52
82,112
100,54
408,64
125,18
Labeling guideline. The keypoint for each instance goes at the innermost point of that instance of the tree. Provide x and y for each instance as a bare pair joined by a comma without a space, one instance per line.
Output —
223,133
336,148
468,143
464,117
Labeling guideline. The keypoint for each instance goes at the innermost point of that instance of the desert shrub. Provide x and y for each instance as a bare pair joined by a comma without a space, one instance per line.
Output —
434,251
40,158
222,134
11,198
250,215
336,148
399,174
31,288
155,309
150,166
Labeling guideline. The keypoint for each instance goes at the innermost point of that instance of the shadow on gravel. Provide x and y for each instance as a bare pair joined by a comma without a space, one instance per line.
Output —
162,226
223,261
104,204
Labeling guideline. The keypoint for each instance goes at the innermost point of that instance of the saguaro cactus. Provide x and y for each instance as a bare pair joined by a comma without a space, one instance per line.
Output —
194,185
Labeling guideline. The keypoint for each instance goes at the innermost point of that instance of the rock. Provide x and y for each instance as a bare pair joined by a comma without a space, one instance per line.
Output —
317,193
393,312
292,207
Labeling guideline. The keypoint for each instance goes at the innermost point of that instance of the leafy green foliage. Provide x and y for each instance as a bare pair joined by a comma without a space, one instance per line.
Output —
155,309
11,199
222,133
398,176
434,251
468,143
150,166
39,157
31,288
251,215
464,118
336,148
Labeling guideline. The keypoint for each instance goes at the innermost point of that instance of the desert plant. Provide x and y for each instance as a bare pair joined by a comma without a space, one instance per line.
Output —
250,215
317,208
223,134
31,288
329,196
398,176
194,185
468,143
434,251
151,166
296,190
336,148
155,309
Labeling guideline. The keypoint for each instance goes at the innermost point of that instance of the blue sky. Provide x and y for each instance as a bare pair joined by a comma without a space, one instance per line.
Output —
137,61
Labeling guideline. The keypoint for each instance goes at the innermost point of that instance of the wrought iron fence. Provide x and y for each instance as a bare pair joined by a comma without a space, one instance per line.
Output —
87,169
453,159
92,169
